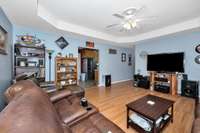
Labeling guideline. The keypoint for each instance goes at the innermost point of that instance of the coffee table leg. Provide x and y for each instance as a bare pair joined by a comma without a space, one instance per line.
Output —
154,126
172,113
127,117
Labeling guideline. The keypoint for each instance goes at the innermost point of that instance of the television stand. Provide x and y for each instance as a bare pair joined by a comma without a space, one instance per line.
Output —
163,82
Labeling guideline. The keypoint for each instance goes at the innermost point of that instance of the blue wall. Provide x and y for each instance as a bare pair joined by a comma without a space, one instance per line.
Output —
180,42
5,60
108,63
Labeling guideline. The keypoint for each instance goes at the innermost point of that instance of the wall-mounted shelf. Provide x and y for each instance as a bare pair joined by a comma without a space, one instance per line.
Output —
29,58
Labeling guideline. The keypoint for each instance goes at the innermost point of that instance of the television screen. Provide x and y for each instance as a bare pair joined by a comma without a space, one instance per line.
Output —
173,62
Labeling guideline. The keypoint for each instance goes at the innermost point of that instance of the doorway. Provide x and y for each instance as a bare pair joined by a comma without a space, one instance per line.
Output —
89,67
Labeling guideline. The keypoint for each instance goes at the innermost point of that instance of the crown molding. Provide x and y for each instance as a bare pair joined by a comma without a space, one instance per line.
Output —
183,26
80,30
69,27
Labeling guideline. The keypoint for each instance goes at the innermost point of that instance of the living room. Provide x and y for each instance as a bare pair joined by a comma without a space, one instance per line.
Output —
40,51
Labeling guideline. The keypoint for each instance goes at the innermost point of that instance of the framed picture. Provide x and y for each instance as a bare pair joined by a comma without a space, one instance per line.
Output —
129,59
61,42
197,59
197,49
3,38
89,44
123,57
112,51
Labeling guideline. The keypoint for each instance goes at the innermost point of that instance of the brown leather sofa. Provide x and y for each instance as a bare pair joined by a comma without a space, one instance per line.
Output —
31,110
196,124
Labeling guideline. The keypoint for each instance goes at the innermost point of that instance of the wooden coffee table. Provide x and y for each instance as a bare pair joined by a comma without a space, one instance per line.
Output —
151,112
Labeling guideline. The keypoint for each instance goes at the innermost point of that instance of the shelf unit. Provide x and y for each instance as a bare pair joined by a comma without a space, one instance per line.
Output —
66,71
161,126
168,79
29,58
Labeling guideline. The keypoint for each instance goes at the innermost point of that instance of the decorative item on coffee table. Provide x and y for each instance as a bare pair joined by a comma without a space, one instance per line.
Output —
66,72
150,114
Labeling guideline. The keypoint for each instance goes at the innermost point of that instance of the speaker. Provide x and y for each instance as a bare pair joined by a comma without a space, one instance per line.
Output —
141,81
185,77
190,89
107,80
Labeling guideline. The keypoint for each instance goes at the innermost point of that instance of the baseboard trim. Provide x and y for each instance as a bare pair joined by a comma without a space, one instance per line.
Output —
115,82
119,81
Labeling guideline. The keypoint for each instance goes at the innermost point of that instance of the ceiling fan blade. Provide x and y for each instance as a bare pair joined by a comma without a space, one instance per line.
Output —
112,25
118,16
140,10
145,19
138,26
130,11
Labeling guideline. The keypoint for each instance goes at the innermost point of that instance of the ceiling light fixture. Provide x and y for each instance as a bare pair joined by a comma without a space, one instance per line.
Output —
130,19
129,25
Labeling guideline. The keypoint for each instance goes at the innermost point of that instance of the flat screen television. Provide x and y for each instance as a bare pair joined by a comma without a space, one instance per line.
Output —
170,62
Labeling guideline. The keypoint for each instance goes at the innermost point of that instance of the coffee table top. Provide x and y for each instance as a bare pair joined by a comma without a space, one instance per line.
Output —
154,111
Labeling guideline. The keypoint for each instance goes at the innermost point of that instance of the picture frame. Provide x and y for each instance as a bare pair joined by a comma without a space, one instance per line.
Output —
112,51
197,48
3,40
61,42
123,57
129,59
197,59
89,44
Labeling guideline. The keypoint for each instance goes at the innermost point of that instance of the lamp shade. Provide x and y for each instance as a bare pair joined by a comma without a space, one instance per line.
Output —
49,51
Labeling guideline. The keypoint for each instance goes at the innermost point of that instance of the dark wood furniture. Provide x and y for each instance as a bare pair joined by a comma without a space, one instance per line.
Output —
141,81
151,112
163,80
29,59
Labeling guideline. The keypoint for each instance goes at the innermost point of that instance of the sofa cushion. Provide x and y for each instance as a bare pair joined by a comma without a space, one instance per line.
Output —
68,111
96,123
77,90
103,124
30,111
196,126
198,110
58,95
86,126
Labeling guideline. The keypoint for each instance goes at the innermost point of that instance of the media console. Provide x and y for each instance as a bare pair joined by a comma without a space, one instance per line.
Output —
163,82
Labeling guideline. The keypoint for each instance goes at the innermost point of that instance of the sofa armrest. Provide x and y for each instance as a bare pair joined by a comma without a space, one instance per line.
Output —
56,96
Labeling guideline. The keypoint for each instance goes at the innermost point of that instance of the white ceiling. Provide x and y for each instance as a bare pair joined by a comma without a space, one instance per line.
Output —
90,17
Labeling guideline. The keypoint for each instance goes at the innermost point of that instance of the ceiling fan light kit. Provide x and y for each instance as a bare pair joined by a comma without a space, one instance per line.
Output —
129,25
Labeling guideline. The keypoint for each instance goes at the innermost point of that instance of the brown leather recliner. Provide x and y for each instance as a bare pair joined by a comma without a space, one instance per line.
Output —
31,111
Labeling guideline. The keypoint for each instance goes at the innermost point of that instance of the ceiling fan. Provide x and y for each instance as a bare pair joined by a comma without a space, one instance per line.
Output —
130,19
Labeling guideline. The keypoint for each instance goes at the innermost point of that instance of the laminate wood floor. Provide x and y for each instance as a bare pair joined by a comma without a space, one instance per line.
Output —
112,104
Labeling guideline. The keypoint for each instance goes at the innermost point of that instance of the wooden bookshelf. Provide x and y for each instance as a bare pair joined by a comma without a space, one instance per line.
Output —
66,71
169,79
